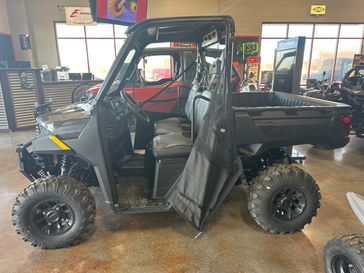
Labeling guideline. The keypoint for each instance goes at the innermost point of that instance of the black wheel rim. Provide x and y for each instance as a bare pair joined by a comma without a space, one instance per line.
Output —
52,217
289,204
342,264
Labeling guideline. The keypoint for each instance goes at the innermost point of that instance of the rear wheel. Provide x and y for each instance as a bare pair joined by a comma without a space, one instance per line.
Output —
54,212
283,199
345,254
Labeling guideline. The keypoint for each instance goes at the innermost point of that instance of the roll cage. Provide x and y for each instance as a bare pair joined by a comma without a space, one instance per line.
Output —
182,29
203,31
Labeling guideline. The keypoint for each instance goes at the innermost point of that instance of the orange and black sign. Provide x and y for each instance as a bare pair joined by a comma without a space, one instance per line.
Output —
183,44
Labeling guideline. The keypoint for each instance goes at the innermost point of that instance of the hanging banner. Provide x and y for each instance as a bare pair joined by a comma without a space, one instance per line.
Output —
78,16
122,12
183,44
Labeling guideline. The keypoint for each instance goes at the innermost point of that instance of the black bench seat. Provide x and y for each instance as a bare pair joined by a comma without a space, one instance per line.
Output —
172,145
178,124
179,144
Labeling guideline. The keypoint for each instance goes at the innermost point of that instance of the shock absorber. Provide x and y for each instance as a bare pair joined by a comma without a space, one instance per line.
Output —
65,162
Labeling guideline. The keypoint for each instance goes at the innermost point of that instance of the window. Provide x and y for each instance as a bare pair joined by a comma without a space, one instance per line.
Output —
72,53
267,49
329,47
286,63
125,66
274,30
156,67
322,58
123,70
300,30
345,52
89,49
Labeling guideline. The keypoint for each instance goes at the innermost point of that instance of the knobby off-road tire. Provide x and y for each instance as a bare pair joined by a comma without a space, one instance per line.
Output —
54,212
283,199
344,254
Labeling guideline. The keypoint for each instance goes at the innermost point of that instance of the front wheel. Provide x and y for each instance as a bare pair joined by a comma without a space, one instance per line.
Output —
54,212
283,199
79,94
344,254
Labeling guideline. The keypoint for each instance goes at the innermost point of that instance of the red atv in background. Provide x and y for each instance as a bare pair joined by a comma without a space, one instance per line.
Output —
157,70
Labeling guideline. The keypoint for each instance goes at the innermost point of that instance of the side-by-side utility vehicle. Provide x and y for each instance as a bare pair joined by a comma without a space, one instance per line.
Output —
192,160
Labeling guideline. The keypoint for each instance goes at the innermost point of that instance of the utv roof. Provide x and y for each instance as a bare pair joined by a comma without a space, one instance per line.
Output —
184,29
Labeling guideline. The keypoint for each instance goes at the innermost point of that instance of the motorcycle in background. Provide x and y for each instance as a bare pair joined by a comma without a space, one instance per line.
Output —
325,91
350,91
249,85
268,84
322,89
335,92
314,84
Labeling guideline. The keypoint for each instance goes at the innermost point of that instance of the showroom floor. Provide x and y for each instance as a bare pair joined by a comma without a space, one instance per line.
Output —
165,242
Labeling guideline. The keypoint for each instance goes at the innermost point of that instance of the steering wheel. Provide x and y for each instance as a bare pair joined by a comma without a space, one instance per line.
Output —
135,107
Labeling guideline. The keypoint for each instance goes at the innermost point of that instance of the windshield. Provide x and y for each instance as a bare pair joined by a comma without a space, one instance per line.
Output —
286,63
123,70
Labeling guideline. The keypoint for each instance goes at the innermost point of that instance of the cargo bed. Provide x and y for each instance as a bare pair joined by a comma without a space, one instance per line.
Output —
264,120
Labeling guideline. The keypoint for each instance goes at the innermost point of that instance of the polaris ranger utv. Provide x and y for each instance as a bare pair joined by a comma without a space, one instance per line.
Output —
192,161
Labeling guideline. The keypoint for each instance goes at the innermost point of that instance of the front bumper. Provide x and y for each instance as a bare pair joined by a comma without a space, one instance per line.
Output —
26,163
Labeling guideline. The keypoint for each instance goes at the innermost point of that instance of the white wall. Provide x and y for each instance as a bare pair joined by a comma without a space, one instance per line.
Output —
4,23
249,15
38,17
18,26
42,14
